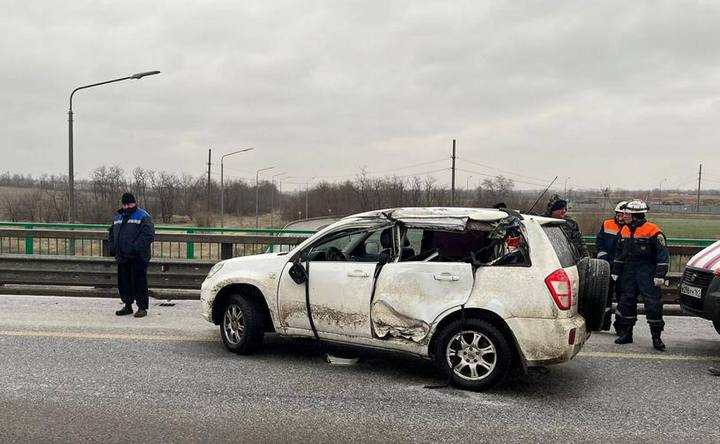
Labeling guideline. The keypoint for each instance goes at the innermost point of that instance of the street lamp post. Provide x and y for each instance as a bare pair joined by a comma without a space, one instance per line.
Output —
257,194
71,167
222,184
272,197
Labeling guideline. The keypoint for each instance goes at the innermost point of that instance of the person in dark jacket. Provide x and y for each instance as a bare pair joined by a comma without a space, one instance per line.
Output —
641,264
557,208
605,243
131,234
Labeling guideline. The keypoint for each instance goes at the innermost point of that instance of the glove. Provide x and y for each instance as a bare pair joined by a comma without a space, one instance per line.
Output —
658,281
614,277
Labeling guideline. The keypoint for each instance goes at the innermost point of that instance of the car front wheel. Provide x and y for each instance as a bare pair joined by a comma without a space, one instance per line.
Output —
241,327
716,323
474,355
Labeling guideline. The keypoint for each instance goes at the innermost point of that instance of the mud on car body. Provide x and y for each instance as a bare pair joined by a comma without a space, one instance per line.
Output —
478,291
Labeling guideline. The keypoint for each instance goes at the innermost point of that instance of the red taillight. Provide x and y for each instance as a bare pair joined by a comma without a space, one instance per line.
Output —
560,288
717,272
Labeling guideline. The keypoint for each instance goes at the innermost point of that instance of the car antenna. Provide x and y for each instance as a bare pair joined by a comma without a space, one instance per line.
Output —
541,195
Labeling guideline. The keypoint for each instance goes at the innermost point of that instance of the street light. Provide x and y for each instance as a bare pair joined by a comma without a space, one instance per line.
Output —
222,185
257,193
272,197
71,169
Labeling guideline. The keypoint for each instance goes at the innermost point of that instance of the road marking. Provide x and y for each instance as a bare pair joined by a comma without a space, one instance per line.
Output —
126,337
648,356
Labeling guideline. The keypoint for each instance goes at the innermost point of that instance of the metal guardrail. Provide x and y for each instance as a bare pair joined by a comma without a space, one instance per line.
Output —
63,254
169,243
98,272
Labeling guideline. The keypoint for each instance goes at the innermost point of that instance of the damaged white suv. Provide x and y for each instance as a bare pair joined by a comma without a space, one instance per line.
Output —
479,291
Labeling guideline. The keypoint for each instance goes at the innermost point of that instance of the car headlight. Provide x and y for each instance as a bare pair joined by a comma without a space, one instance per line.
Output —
214,269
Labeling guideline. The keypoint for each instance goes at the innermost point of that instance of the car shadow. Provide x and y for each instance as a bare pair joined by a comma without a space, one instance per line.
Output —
406,369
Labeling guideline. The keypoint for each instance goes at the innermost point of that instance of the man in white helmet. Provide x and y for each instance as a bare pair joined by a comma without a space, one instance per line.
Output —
606,242
641,263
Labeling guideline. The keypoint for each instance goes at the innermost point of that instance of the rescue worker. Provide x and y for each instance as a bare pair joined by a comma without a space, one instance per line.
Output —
641,263
557,208
605,243
131,234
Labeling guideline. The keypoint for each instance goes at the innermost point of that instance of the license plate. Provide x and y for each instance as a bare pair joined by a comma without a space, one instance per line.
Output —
689,290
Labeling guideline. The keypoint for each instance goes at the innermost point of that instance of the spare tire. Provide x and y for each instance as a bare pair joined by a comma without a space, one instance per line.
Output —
594,291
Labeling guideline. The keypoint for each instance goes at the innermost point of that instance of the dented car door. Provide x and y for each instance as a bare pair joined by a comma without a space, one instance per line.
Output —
409,296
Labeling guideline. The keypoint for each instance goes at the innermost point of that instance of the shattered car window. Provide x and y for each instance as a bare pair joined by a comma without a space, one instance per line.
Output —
499,243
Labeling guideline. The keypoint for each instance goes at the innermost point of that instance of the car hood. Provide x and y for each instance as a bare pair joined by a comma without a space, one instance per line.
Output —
707,259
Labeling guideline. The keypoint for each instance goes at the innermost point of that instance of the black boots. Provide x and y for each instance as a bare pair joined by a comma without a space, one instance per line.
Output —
141,313
127,310
625,335
657,342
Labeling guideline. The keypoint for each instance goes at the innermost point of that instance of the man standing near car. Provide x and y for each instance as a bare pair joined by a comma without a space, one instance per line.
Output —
641,263
131,234
557,208
606,242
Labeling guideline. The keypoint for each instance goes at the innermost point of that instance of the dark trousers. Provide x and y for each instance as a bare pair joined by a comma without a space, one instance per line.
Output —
132,282
638,278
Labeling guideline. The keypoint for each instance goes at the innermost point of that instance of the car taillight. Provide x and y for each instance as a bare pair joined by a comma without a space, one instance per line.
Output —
560,288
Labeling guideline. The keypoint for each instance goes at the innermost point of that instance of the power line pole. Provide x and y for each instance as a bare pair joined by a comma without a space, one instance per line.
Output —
452,185
698,191
208,181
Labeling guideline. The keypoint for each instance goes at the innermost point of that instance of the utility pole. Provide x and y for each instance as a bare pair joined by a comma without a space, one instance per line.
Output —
698,193
208,181
452,185
307,198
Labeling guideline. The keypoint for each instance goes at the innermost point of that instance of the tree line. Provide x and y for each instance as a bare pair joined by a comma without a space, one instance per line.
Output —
182,198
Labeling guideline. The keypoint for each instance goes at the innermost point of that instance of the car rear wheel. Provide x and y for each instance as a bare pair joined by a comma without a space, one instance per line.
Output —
241,326
594,291
716,323
474,355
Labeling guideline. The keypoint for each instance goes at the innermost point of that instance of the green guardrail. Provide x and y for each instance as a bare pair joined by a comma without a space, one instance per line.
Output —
670,241
188,230
270,231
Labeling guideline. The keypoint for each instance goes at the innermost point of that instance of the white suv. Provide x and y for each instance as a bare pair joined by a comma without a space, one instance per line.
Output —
477,290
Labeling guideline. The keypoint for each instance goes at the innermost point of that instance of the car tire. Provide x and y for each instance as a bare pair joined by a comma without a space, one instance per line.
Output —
473,355
716,324
594,292
241,325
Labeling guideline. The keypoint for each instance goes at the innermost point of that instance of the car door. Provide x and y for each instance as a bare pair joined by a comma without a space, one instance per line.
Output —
339,288
409,296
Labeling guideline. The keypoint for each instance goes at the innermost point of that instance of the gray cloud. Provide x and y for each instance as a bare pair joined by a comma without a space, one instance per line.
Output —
608,93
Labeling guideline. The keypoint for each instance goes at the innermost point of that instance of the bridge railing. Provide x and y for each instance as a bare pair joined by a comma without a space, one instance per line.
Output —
170,242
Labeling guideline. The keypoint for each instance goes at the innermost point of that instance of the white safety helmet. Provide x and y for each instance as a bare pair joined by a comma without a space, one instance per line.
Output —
636,206
620,207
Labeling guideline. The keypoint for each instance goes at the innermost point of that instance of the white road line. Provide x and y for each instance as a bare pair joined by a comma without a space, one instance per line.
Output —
128,337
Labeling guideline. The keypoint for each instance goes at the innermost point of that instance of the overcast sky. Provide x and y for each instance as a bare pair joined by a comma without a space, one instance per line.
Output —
619,94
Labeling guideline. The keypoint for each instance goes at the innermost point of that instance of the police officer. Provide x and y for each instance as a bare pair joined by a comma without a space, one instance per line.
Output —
557,208
606,242
131,234
641,263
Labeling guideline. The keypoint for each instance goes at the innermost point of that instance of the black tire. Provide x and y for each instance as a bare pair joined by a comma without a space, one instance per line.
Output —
716,324
241,325
594,291
481,335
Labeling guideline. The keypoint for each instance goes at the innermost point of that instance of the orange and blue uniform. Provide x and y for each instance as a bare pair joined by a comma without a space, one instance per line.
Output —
641,255
606,240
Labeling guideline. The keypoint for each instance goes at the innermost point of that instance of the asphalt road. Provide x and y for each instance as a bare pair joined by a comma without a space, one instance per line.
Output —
71,371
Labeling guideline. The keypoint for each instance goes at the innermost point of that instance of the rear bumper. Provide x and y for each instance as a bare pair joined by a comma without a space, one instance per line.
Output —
548,341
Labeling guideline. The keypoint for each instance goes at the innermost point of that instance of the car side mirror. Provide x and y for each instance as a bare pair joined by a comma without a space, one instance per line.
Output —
297,273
